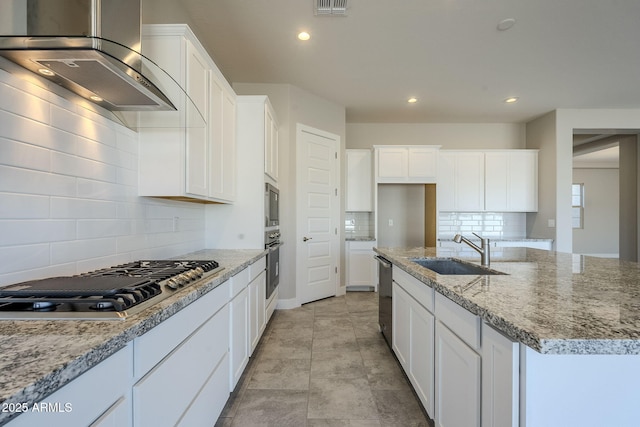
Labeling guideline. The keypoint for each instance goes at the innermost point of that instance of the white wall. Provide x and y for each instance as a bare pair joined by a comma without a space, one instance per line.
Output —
541,134
601,213
68,192
449,135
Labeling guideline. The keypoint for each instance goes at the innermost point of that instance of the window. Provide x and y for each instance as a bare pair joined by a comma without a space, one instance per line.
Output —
577,205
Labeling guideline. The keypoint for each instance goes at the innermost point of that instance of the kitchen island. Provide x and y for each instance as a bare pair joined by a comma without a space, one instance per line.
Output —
571,325
40,357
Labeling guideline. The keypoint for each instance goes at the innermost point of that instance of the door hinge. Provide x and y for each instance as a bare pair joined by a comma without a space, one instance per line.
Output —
336,153
336,231
336,270
336,191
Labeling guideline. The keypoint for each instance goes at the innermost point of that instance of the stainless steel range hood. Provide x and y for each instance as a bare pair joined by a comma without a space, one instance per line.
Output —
88,47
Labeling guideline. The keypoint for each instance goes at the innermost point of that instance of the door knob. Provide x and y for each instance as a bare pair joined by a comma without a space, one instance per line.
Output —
304,239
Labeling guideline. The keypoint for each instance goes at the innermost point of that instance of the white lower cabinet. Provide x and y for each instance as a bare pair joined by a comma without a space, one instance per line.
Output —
257,311
500,379
457,381
413,341
460,379
361,265
247,316
180,386
109,384
239,327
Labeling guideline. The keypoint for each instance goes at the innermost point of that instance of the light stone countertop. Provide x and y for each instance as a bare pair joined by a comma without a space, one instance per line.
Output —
38,357
555,303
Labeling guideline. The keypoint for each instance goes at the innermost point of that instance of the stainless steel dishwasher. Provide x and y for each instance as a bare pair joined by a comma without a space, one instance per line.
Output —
384,299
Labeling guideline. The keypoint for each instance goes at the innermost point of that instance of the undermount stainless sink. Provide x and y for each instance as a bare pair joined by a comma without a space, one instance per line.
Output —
448,266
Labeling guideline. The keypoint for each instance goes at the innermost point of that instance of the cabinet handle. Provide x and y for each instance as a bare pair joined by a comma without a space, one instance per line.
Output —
304,239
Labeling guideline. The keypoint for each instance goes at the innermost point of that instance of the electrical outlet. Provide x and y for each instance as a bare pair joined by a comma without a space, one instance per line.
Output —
551,223
390,223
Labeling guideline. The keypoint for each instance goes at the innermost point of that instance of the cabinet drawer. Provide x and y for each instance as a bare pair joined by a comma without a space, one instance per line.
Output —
461,322
239,282
108,384
421,292
361,245
152,347
256,268
163,395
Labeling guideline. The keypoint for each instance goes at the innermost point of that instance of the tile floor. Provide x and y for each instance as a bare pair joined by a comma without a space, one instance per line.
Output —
324,364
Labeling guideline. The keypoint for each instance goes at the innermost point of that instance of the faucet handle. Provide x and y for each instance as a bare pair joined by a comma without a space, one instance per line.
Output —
483,239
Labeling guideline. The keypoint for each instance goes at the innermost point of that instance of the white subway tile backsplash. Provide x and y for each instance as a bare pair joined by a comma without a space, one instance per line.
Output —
25,181
76,124
487,224
18,258
73,208
25,232
23,206
24,104
18,154
68,192
65,252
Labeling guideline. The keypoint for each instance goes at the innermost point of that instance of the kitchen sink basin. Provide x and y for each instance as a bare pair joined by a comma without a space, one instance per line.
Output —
448,266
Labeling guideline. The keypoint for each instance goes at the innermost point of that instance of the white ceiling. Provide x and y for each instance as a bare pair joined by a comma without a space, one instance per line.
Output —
447,53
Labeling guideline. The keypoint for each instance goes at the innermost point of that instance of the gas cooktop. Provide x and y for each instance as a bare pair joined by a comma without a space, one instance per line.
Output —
110,293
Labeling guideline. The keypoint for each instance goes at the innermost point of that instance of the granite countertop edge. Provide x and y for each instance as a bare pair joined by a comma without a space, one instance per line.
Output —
528,337
117,334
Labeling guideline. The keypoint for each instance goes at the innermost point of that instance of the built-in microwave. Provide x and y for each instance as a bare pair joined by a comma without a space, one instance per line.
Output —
271,208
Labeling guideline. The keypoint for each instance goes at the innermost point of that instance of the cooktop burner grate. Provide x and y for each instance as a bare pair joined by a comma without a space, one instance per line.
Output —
107,293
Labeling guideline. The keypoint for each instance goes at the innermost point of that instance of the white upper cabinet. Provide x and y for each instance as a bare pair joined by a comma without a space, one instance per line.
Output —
406,164
222,140
189,154
270,143
359,181
460,181
492,180
511,180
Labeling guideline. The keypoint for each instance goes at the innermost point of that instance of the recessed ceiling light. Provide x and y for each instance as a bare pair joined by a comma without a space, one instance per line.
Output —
304,36
412,100
505,24
511,100
46,72
96,98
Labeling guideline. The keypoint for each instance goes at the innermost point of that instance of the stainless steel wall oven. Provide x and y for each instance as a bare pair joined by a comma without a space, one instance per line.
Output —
272,243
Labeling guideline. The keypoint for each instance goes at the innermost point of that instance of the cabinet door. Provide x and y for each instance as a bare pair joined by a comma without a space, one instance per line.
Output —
229,146
222,142
457,389
392,164
421,355
257,315
511,181
500,379
359,181
361,264
422,164
461,181
401,325
271,144
238,336
197,133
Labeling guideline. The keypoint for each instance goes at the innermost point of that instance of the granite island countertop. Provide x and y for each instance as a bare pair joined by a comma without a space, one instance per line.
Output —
555,303
38,357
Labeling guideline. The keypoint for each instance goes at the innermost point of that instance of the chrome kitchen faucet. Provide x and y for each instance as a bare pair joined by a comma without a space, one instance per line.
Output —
484,251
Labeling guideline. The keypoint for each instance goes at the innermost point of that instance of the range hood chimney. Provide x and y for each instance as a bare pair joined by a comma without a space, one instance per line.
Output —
89,47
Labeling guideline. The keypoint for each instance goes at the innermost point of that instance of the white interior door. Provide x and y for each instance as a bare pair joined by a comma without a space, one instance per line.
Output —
317,243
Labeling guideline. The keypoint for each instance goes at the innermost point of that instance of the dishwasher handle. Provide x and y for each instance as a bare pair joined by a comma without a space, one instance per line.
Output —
383,261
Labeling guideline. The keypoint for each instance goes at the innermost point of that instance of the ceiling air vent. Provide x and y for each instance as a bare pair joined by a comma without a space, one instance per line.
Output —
331,7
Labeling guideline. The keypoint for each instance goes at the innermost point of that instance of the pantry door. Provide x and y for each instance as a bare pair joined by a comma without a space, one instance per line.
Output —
318,203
